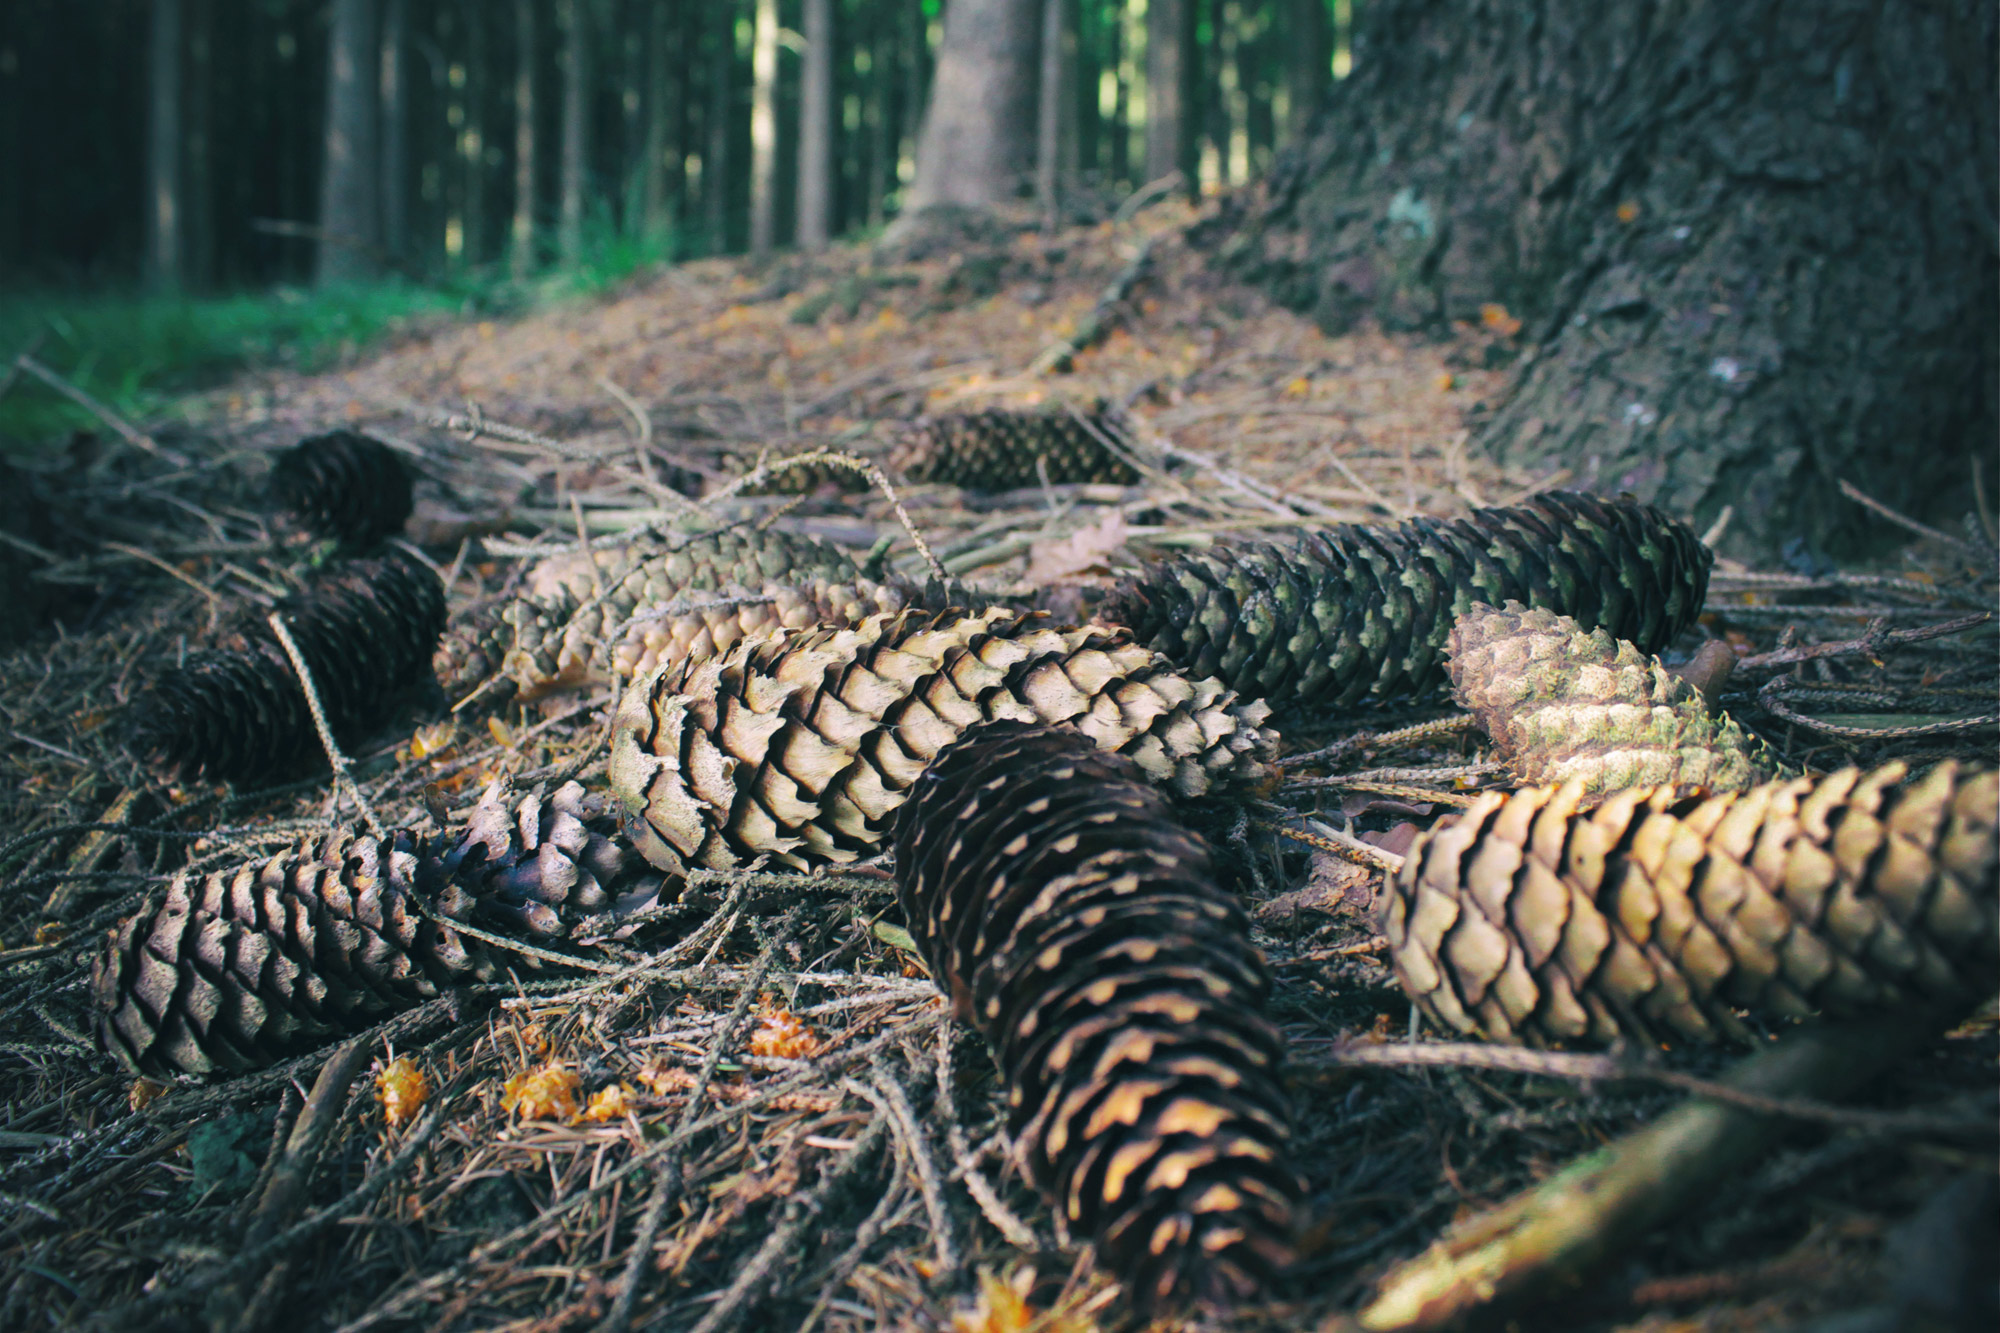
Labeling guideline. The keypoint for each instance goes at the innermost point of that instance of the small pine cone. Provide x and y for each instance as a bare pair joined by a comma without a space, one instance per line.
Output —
999,450
240,968
344,485
658,569
1524,920
538,863
1562,703
366,631
803,479
1082,930
1355,613
800,745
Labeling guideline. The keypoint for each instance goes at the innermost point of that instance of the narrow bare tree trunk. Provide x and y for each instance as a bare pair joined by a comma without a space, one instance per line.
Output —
816,128
575,17
1171,113
764,130
716,161
522,257
163,150
1053,97
1307,62
473,148
350,173
978,137
882,66
661,99
396,128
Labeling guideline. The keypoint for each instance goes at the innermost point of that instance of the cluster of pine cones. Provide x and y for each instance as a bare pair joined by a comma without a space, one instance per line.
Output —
787,707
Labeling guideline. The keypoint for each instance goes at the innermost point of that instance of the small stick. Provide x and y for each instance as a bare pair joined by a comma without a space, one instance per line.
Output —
1421,731
888,1094
853,463
1860,497
1877,637
334,757
131,434
1058,354
1769,699
1343,845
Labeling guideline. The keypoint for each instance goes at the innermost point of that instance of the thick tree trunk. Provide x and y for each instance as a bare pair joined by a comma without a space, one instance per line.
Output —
521,254
978,138
1754,243
764,130
1171,114
575,16
396,128
350,171
164,202
816,128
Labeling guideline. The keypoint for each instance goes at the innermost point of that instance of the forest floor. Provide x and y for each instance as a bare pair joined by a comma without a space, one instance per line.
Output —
845,1174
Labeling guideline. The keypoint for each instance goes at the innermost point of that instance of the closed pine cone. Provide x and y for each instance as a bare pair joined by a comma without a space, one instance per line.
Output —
343,485
1083,931
1561,703
801,745
1653,917
1002,450
1354,613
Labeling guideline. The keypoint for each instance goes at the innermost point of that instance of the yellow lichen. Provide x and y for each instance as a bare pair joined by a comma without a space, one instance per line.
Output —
547,1092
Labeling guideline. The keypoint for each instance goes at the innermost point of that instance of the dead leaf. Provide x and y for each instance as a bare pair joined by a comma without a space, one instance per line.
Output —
1085,551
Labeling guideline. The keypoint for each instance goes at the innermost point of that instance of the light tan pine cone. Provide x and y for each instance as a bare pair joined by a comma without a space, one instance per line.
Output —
1563,703
1522,919
801,745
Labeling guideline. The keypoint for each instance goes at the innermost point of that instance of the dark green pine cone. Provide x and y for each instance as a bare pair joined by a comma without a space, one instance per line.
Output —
1082,930
343,485
1000,450
1353,613
366,631
240,968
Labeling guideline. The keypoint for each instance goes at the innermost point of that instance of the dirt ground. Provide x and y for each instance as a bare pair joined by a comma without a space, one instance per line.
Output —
774,1124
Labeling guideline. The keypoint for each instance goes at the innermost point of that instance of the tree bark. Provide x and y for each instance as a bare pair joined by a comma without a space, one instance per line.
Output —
816,128
396,128
575,18
717,163
350,171
662,101
198,149
1054,100
1308,62
472,151
1754,244
1171,92
164,203
764,130
521,257
978,137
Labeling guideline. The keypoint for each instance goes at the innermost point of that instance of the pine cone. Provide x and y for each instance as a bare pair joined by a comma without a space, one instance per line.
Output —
1082,930
366,631
998,450
1523,920
343,485
560,633
800,745
1356,613
240,968
1561,703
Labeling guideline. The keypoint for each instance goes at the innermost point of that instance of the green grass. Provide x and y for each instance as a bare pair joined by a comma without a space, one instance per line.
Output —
137,353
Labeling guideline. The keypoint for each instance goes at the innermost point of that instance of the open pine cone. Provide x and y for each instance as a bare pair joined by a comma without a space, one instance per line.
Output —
1082,929
1354,613
343,485
1652,917
366,630
1561,703
800,746
1001,450
239,968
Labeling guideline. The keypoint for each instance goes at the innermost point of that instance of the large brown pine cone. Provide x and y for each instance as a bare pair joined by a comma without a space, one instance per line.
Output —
1353,613
1001,450
1561,703
1653,917
344,485
240,968
366,630
800,745
1083,931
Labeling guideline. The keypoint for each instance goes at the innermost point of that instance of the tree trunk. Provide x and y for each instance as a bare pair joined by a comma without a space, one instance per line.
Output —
1754,244
351,169
816,128
473,143
396,129
575,18
1171,114
164,203
521,258
1053,133
764,130
1307,62
717,164
978,137
662,101
198,149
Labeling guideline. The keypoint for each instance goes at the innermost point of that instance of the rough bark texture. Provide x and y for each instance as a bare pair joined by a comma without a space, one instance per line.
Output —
349,175
1754,244
979,129
816,128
